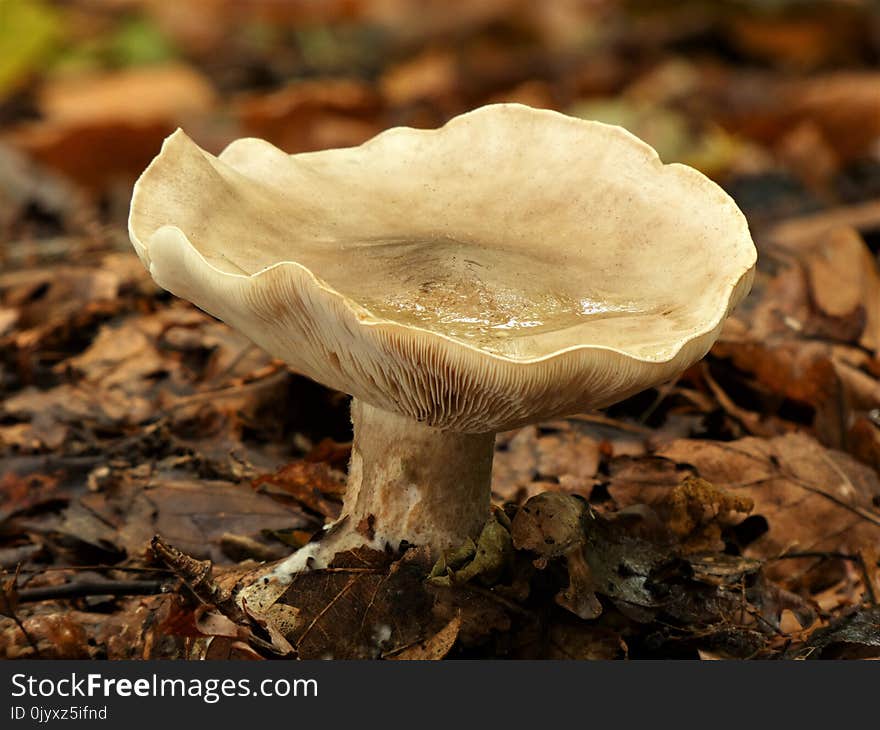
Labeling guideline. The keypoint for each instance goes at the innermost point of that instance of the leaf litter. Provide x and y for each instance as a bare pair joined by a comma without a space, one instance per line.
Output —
734,512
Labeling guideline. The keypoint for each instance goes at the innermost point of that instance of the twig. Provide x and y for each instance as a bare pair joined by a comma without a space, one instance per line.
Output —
227,392
603,420
663,392
868,561
862,217
236,361
80,589
814,554
753,612
9,596
121,569
492,596
748,419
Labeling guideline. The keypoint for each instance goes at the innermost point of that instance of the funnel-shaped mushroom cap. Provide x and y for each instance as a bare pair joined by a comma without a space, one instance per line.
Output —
512,265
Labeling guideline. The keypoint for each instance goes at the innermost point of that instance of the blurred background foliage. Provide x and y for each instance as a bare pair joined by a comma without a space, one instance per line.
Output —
786,89
125,412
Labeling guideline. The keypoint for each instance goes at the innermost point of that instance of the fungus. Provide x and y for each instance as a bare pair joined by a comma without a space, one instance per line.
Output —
512,266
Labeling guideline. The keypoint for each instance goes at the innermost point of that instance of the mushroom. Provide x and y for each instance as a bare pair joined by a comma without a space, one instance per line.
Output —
512,266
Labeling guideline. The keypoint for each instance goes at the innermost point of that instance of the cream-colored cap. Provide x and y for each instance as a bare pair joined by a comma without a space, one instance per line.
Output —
511,266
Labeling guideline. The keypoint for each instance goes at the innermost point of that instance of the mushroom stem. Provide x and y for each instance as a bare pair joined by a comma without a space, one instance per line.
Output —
411,482
406,482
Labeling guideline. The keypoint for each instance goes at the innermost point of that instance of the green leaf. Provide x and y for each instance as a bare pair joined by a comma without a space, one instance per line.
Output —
29,30
138,41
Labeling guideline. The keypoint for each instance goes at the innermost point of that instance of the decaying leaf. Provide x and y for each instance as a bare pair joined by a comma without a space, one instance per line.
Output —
812,499
312,484
485,560
435,647
856,636
360,607
131,110
309,116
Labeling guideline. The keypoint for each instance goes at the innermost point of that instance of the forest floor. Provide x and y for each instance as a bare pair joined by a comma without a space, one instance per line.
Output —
734,512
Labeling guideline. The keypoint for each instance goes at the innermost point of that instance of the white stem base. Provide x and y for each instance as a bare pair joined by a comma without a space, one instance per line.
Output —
406,483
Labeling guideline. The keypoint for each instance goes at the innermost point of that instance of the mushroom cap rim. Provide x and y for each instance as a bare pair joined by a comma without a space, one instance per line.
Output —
366,318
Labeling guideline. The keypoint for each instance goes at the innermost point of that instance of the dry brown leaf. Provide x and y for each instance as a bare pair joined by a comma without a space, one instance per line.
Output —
82,405
97,156
210,622
151,93
802,42
806,152
192,515
39,435
130,632
846,106
120,354
308,483
361,607
527,459
41,295
100,130
845,281
813,499
24,493
313,115
864,437
537,94
8,319
803,335
583,641
431,75
433,648
843,106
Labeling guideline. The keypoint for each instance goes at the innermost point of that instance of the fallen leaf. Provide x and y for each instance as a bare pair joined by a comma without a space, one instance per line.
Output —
433,648
150,93
307,116
845,282
314,485
105,128
193,515
856,636
432,74
583,642
360,607
812,498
